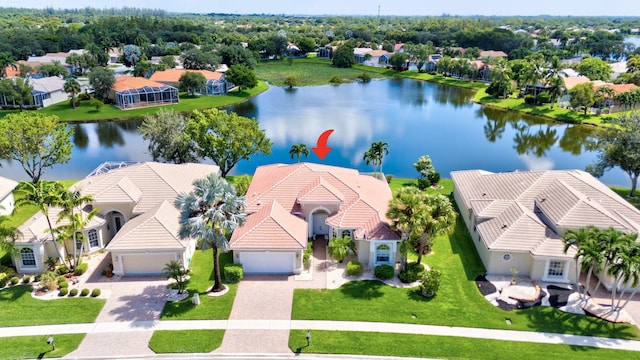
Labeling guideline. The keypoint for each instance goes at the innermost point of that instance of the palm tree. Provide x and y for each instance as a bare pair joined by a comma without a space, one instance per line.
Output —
588,256
404,211
624,267
174,270
633,63
631,260
6,61
72,202
297,150
210,213
556,88
370,157
72,87
437,217
8,235
380,149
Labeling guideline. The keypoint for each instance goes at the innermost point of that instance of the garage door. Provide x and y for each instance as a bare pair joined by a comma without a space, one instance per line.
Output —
267,262
145,264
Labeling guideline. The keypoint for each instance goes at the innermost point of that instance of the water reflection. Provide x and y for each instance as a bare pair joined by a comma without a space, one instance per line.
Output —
80,137
109,134
577,139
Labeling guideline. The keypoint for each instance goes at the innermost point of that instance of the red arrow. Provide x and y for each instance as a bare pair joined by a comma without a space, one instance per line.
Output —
321,148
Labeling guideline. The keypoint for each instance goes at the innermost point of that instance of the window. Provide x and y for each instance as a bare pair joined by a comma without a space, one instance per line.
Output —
93,238
79,243
346,233
382,253
506,257
556,268
28,259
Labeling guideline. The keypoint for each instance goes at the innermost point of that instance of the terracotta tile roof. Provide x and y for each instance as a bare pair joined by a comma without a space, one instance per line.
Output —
172,76
620,88
510,207
271,227
571,81
320,190
398,46
126,82
156,229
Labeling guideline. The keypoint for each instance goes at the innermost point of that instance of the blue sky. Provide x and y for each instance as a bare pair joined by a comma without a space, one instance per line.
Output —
365,7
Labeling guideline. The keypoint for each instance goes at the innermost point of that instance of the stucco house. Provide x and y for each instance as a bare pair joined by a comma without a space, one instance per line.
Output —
215,80
517,219
130,92
48,90
289,204
136,222
6,195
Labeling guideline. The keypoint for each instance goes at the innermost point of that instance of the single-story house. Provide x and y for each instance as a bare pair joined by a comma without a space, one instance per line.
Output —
48,90
215,85
289,204
517,219
432,62
377,57
6,195
359,54
136,222
130,92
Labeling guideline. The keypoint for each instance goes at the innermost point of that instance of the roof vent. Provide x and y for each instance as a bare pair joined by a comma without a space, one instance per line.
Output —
504,226
259,203
484,194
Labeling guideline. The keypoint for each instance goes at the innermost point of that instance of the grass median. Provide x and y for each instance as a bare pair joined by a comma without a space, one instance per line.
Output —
185,341
36,347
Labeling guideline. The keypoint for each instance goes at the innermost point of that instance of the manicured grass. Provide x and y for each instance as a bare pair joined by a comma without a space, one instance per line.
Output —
458,302
21,214
397,183
310,72
109,112
185,341
624,192
446,347
36,347
210,308
18,308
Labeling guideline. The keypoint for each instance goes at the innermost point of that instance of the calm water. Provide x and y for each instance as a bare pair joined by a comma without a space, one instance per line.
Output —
414,117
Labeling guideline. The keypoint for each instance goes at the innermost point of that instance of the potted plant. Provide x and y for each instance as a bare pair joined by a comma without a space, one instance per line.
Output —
108,272
514,276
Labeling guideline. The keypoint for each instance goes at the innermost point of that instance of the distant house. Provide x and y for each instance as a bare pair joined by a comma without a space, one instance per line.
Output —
114,54
431,63
377,58
215,85
485,54
360,54
48,90
130,92
399,47
50,58
6,195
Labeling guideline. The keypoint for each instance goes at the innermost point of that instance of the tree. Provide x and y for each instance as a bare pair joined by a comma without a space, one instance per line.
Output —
297,150
192,82
72,203
403,212
582,96
620,146
210,213
343,56
306,45
398,61
227,138
99,54
196,59
236,54
435,216
588,255
595,69
241,76
36,141
291,81
168,61
167,136
174,270
72,87
131,55
7,61
428,174
339,248
16,90
556,88
380,149
54,69
370,157
102,80
9,234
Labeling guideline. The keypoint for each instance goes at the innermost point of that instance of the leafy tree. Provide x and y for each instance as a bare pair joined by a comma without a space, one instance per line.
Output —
306,45
620,147
167,136
36,141
9,234
227,138
25,69
428,173
196,59
210,213
582,96
398,60
102,80
168,61
595,69
7,61
131,55
343,56
236,54
174,270
72,87
403,212
99,54
55,69
241,183
297,150
96,103
16,90
192,82
291,81
241,76
339,248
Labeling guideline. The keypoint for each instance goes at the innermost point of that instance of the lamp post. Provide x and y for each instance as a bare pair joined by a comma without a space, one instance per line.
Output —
50,342
308,337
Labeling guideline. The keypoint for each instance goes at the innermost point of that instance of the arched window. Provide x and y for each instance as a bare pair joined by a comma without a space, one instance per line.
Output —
383,252
93,238
27,257
346,233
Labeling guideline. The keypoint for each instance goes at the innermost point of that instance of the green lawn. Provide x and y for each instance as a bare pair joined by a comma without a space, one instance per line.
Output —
458,302
18,308
397,183
407,345
310,72
185,341
109,112
36,347
210,308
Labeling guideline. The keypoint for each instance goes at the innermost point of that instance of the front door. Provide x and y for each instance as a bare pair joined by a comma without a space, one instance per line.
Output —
118,220
320,226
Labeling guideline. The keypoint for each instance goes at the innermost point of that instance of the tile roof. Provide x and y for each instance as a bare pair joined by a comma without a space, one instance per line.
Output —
510,207
492,53
6,186
620,88
378,53
126,82
173,75
36,228
571,81
271,227
47,84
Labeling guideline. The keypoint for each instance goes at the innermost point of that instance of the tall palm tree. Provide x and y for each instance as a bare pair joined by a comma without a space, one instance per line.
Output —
631,258
297,150
8,235
556,88
404,212
624,267
437,217
72,202
370,157
72,87
380,149
210,213
588,255
44,195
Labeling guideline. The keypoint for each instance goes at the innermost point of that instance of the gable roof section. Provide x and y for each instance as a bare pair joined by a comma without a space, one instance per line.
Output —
173,75
156,229
6,186
47,84
271,227
320,190
36,228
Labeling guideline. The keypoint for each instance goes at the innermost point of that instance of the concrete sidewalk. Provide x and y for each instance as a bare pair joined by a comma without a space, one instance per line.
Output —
506,335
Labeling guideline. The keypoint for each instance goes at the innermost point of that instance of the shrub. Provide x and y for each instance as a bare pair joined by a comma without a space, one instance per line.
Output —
365,77
544,98
26,279
388,177
84,96
73,292
529,99
63,284
61,279
63,291
84,292
10,272
434,178
411,273
423,183
335,80
95,103
95,293
62,269
49,280
233,272
306,260
430,282
3,280
383,272
81,268
354,268
37,277
15,280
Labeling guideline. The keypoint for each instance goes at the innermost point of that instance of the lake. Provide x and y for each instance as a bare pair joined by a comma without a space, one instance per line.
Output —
414,117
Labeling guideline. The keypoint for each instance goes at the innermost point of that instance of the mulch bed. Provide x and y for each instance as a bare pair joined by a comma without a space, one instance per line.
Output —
485,286
520,305
558,296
